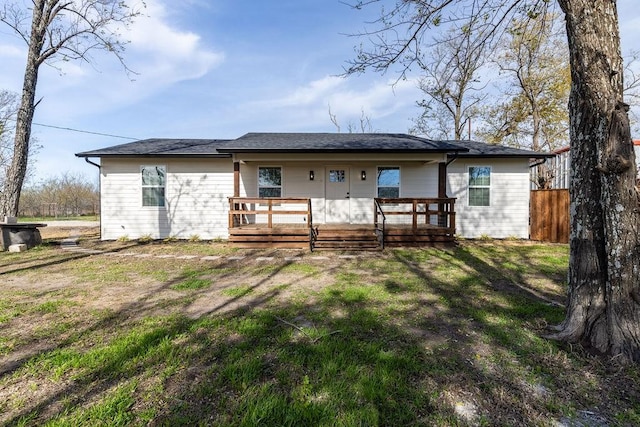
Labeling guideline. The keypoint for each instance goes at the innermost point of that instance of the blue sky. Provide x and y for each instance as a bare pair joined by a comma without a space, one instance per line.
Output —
219,69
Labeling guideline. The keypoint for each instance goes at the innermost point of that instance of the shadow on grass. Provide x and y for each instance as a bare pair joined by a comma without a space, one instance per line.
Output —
56,256
410,338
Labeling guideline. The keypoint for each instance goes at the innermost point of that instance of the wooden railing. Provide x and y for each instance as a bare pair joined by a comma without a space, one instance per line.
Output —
379,225
241,209
419,212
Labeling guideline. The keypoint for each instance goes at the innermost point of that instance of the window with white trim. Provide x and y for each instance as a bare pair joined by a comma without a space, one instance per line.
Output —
153,185
269,182
388,182
479,186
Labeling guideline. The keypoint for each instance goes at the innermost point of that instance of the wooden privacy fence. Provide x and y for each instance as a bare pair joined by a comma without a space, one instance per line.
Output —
550,215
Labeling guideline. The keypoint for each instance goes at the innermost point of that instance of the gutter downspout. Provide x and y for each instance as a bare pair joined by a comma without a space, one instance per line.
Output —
86,159
453,158
541,162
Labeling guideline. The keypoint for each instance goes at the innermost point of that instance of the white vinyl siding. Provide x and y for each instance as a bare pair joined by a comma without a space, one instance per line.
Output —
196,199
197,192
508,213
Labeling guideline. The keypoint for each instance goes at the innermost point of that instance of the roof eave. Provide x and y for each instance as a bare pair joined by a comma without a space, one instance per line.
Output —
335,150
508,156
150,155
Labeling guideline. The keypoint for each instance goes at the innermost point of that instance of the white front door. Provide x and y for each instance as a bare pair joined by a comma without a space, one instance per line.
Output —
337,195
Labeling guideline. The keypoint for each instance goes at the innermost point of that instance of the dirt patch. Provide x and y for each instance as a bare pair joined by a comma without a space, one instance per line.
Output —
63,229
481,365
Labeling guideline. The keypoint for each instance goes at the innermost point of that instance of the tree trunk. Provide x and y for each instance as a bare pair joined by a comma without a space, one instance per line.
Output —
603,308
10,194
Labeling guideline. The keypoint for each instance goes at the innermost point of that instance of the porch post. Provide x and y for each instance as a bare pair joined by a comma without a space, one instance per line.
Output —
236,179
442,180
442,193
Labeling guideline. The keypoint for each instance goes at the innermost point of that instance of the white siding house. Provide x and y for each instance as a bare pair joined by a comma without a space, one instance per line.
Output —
352,203
196,199
181,188
507,212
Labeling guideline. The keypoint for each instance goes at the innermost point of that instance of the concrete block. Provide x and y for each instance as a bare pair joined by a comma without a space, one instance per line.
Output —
10,220
21,247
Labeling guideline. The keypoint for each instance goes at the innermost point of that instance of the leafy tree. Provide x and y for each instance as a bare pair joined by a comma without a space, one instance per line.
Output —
603,308
55,30
535,62
533,59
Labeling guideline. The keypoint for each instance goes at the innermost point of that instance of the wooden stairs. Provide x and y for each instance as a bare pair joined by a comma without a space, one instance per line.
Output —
361,238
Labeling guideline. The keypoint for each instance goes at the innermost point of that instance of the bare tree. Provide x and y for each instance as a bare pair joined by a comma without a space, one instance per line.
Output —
364,125
603,308
451,84
8,109
71,194
55,30
632,87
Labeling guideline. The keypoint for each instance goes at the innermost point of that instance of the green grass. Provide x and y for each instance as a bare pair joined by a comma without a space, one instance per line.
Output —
237,292
406,337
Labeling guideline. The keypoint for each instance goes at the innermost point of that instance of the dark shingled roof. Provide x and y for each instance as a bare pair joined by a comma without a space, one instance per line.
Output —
308,143
481,149
336,142
162,147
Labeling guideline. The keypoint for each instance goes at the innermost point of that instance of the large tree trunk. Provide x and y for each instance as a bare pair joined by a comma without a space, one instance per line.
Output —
603,309
10,194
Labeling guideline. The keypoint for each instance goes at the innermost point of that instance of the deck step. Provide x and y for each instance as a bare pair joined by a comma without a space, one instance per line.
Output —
348,239
346,245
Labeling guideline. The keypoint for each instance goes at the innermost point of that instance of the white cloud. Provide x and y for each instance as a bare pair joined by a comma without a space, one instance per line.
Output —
159,54
389,106
165,54
11,51
379,100
312,93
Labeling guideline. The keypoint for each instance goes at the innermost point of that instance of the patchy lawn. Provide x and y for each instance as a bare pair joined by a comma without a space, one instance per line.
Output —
137,336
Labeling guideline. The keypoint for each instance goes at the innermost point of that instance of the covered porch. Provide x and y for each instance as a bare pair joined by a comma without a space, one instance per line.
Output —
280,222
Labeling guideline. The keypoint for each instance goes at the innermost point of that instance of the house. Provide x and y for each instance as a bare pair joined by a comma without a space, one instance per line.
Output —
294,189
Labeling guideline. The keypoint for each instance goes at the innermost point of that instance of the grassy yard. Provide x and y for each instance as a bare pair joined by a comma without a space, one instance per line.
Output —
283,338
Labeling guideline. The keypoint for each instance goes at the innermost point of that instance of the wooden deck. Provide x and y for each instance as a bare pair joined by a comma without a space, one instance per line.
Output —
427,222
336,236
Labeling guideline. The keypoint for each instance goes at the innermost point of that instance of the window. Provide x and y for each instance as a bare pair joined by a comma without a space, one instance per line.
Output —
388,182
270,182
337,176
479,186
153,185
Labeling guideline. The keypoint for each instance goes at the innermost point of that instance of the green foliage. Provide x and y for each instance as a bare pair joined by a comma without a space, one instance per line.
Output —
533,113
